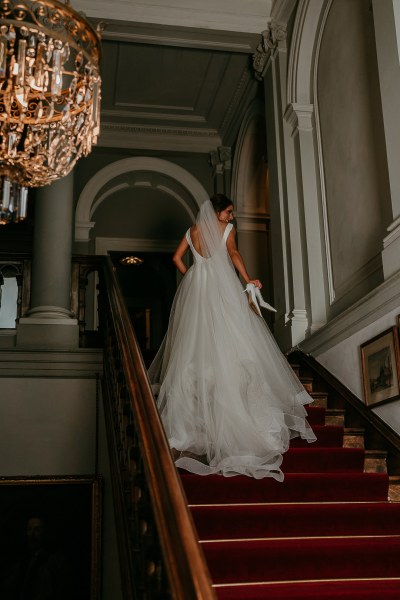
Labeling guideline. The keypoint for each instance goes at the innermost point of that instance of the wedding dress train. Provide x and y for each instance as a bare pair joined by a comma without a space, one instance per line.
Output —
229,401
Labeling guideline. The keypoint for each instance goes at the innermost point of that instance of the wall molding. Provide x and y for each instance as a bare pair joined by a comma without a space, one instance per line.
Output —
211,15
103,245
358,278
80,364
158,138
363,313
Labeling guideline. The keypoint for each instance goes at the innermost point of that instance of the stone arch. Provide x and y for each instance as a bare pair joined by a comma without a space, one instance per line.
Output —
91,196
304,50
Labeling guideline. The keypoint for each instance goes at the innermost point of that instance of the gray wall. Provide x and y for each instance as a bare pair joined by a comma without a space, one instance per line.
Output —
356,178
48,427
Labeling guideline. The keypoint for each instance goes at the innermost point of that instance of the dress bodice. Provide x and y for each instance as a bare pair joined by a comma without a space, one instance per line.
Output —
198,257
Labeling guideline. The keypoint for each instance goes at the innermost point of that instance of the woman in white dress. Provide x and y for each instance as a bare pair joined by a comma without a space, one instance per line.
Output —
229,401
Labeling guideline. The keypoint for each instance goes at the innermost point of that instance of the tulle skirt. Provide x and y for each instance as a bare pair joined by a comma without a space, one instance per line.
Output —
228,399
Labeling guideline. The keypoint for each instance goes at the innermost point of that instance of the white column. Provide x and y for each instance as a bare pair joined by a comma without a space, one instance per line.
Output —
387,35
49,322
302,124
297,222
291,322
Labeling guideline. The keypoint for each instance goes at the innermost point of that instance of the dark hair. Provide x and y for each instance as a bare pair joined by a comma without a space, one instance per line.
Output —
220,202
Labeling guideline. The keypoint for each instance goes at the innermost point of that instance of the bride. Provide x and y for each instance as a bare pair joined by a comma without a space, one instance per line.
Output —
228,399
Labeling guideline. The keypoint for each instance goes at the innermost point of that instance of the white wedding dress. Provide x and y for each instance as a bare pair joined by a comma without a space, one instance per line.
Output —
229,401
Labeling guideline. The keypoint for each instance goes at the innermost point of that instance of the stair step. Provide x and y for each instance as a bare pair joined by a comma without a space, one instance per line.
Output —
375,461
316,415
394,488
319,415
321,460
299,559
296,369
335,416
320,399
286,520
353,437
328,436
307,383
348,589
297,487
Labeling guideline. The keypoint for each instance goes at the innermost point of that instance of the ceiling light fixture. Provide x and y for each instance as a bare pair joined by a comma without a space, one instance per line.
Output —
131,260
49,96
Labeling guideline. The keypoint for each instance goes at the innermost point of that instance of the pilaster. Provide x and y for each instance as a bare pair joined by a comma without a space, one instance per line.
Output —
387,37
301,119
290,277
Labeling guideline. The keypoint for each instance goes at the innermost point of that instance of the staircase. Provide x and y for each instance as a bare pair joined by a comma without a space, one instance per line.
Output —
327,532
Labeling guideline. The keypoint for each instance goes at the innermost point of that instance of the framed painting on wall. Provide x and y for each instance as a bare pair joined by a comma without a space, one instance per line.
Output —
50,537
381,368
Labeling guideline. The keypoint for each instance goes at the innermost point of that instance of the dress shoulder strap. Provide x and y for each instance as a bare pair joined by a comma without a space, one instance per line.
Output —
189,240
227,231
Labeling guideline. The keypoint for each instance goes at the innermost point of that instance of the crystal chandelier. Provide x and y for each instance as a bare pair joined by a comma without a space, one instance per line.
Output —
49,96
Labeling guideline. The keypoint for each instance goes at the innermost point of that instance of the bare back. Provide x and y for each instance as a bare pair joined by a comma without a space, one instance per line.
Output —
194,236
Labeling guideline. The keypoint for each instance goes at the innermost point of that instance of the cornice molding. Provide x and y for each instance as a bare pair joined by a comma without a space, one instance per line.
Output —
123,135
180,37
211,15
127,114
272,37
162,130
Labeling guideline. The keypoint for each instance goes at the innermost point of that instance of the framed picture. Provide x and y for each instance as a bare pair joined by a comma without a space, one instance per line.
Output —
381,368
50,537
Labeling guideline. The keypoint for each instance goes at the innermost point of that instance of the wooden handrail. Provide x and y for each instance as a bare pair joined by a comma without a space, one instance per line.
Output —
371,421
185,565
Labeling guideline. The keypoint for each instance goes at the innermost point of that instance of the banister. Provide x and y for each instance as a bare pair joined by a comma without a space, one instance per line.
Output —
384,436
187,572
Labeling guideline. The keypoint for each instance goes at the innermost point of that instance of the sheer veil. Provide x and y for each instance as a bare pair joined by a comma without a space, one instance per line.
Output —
209,230
213,249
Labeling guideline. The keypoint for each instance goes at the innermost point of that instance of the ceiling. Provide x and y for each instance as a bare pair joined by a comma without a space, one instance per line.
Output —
178,98
173,87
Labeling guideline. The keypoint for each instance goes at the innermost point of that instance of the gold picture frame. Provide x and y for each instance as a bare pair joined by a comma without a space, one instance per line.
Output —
50,535
381,368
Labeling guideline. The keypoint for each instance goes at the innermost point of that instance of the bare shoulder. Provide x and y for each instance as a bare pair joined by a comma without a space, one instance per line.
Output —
194,234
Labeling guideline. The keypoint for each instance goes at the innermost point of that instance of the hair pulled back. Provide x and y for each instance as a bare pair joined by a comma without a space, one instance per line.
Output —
220,202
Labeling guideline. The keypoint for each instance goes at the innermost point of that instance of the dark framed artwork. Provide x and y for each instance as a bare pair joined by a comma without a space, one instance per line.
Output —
381,368
50,537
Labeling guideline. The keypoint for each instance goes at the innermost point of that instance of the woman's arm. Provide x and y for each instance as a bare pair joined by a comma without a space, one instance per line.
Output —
178,255
237,259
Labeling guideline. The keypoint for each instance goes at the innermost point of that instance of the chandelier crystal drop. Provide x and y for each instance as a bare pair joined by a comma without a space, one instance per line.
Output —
49,96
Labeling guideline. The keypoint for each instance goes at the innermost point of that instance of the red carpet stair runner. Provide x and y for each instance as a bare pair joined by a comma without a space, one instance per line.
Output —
326,532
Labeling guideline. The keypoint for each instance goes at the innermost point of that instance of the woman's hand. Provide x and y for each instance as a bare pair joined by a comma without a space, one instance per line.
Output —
256,282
